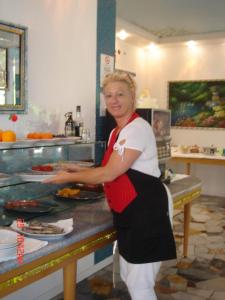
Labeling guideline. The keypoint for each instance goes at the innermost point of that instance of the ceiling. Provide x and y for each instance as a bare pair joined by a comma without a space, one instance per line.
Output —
169,21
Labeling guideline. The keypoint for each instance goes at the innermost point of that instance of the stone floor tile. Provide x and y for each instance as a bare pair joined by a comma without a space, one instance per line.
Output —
197,275
204,255
169,263
220,256
215,239
198,292
191,250
218,296
186,296
200,239
198,226
200,216
164,297
217,284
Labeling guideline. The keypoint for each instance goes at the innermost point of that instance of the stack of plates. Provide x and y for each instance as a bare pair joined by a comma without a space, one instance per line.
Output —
8,243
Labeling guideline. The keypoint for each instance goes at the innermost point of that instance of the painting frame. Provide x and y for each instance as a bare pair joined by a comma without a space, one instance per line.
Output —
197,104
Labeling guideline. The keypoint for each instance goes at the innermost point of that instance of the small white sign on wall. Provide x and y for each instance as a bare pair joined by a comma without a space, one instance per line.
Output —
106,67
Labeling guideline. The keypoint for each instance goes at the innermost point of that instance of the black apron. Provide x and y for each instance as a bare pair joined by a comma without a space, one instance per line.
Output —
144,232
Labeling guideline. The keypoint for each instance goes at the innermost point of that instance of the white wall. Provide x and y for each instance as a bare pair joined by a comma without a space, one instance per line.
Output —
132,59
61,61
178,62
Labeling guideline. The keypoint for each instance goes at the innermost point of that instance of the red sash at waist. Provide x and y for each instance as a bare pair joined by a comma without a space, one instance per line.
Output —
119,192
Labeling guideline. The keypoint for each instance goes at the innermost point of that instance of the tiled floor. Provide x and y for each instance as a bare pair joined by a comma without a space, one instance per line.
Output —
200,277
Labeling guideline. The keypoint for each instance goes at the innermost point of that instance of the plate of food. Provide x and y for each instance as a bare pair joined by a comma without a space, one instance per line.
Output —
62,165
47,168
35,176
77,194
43,230
90,187
27,206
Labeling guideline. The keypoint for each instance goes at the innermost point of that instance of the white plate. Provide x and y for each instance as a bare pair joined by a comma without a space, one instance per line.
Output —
8,251
67,141
8,238
34,177
23,143
64,142
36,172
6,145
67,230
44,142
4,177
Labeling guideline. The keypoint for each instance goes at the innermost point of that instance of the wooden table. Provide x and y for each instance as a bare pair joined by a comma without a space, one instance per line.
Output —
184,191
183,200
188,159
197,158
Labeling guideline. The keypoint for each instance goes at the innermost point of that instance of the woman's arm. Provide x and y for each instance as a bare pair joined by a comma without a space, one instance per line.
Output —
116,166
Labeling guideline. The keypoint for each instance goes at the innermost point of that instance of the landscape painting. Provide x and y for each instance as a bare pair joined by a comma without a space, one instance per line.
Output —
197,103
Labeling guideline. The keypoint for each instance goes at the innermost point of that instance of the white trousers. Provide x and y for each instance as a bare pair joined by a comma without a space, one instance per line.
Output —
140,278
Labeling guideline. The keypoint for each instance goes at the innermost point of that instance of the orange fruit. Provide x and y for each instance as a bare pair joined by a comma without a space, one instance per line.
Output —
37,135
30,135
8,136
46,135
1,135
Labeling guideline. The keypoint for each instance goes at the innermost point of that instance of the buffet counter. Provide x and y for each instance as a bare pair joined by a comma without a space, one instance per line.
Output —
93,229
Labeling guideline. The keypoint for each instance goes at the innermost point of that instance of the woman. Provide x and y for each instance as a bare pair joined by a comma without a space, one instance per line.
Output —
135,194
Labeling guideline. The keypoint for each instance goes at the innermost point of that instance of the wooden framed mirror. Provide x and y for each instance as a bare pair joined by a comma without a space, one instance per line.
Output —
13,68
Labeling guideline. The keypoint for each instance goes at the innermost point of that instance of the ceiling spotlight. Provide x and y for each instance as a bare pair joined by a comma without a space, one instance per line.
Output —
122,34
191,44
152,47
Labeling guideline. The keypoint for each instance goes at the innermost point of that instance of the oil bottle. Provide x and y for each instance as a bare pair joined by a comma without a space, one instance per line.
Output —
69,125
79,123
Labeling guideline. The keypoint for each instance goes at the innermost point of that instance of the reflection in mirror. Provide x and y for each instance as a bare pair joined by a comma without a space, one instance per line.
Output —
12,68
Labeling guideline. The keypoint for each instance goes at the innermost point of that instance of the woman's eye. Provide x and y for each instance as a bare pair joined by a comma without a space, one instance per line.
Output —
120,94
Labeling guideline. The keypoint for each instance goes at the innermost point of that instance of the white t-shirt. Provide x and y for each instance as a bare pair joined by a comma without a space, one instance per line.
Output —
139,135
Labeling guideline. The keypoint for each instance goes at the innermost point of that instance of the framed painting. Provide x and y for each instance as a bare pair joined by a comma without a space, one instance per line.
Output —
197,104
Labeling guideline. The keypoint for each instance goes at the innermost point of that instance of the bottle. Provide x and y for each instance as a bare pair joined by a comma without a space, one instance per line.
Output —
69,125
79,123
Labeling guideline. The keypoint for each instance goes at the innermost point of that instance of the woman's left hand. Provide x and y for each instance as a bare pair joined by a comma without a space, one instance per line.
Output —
59,178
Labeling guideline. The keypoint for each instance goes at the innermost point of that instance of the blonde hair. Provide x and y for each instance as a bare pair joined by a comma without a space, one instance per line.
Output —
121,77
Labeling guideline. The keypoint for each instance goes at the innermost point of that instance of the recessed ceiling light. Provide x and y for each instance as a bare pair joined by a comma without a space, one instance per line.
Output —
122,34
191,44
152,47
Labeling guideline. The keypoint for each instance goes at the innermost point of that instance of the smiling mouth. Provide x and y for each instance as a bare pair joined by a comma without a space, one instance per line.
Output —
115,107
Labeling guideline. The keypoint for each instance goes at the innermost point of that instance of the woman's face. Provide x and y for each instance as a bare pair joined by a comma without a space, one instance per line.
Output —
119,99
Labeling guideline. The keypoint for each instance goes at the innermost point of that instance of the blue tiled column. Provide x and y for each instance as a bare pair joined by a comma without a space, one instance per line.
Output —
106,23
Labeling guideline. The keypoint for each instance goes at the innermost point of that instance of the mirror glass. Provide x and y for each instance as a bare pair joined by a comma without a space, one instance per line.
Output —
12,68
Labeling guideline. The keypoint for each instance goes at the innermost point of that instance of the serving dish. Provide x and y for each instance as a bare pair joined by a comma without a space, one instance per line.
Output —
8,239
81,196
43,236
27,206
